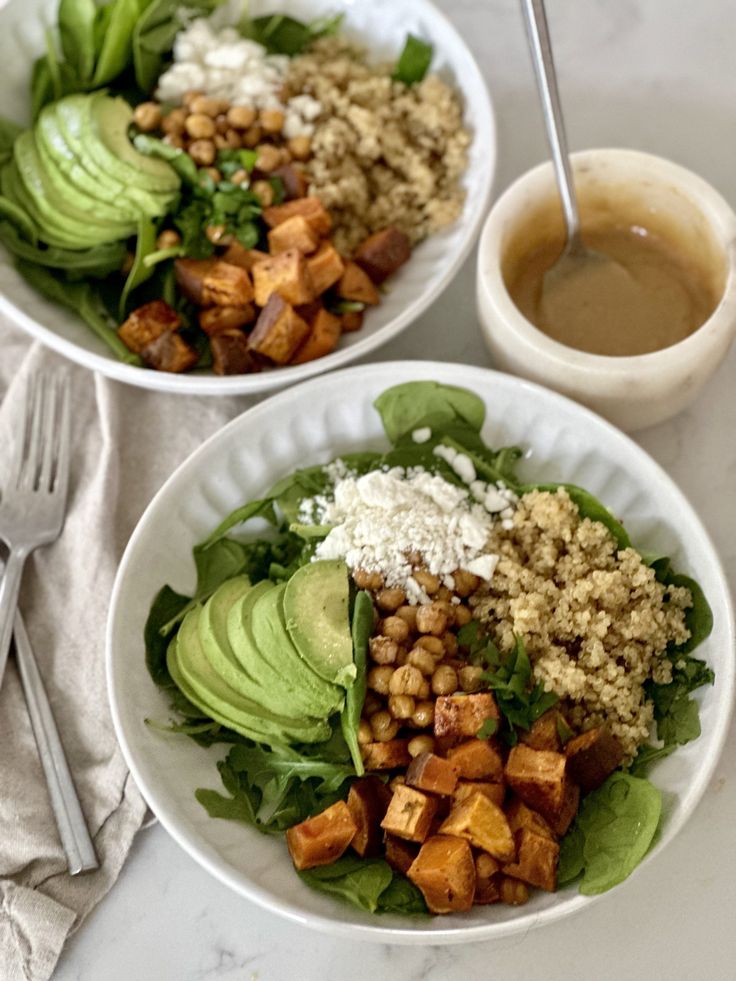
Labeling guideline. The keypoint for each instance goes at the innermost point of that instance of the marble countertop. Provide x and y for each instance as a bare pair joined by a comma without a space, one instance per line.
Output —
657,75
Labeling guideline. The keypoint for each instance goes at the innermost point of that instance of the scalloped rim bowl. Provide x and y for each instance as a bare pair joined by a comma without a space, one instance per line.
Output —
411,290
312,423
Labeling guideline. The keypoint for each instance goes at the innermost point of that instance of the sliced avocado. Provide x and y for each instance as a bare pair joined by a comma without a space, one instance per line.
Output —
275,645
213,693
111,119
316,607
72,114
84,202
215,640
56,210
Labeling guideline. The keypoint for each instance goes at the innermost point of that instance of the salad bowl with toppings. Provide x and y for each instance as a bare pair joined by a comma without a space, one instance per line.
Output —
202,199
449,694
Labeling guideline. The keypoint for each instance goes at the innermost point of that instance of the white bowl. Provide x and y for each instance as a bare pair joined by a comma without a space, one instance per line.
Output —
312,423
383,26
632,392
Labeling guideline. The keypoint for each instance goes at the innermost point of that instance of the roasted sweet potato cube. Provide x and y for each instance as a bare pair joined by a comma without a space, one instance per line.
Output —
432,773
321,839
213,282
325,267
285,274
383,252
520,816
495,792
484,824
294,233
513,892
444,871
593,756
477,759
461,716
294,180
400,853
237,255
147,323
368,799
278,332
537,857
561,821
538,777
214,320
324,333
487,880
409,814
311,209
355,284
543,732
169,352
230,353
386,756
352,320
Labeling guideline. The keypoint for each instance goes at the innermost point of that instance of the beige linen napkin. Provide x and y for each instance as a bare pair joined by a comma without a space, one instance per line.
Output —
125,443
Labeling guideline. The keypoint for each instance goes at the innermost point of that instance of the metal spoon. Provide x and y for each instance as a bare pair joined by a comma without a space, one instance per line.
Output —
576,258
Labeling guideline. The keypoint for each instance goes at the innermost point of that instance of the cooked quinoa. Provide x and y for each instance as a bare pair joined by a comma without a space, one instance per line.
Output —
594,619
383,153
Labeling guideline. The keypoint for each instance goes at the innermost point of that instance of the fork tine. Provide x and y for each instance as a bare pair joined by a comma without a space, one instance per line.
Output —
61,474
51,431
28,472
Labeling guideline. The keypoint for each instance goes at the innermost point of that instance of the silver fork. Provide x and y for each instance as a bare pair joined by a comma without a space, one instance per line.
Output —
33,500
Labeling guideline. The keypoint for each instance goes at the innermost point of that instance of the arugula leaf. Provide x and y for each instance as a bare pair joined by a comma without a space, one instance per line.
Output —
612,833
414,61
414,405
166,605
362,627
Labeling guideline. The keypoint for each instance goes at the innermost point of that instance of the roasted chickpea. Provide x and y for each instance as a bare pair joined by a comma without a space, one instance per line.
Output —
252,136
168,239
268,159
240,177
449,642
444,680
221,124
174,139
422,659
470,678
264,192
205,106
423,689
432,644
395,628
389,600
462,615
173,122
513,892
147,116
401,706
465,582
199,126
444,593
300,147
429,582
214,173
241,117
220,141
190,96
485,865
383,650
217,234
398,781
420,744
380,678
409,615
432,619
234,139
383,727
371,703
367,580
271,120
202,152
365,733
406,680
423,714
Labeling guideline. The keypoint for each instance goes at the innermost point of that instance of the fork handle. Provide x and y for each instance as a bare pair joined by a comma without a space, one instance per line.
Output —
9,588
75,838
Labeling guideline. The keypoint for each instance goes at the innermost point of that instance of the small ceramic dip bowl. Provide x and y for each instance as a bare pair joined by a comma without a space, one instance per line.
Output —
637,189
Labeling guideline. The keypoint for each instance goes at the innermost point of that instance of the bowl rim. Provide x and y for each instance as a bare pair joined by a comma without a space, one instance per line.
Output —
259,383
478,378
491,285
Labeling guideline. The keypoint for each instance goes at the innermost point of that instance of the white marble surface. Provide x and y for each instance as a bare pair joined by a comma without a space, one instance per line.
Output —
657,75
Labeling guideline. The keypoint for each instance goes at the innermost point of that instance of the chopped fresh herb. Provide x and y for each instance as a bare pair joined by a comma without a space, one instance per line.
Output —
488,729
414,61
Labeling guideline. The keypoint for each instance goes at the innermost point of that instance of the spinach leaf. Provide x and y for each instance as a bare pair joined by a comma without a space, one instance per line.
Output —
8,132
165,606
415,405
281,34
154,33
414,61
699,617
401,896
260,508
97,262
612,833
675,712
362,626
139,272
360,881
77,33
117,45
82,298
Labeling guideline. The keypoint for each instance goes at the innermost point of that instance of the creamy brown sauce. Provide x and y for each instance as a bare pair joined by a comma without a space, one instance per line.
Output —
654,294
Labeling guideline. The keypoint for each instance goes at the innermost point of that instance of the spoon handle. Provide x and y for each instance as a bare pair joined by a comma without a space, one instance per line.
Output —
544,68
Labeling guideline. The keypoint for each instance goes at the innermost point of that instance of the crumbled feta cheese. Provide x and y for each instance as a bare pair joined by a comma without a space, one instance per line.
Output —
422,435
220,63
